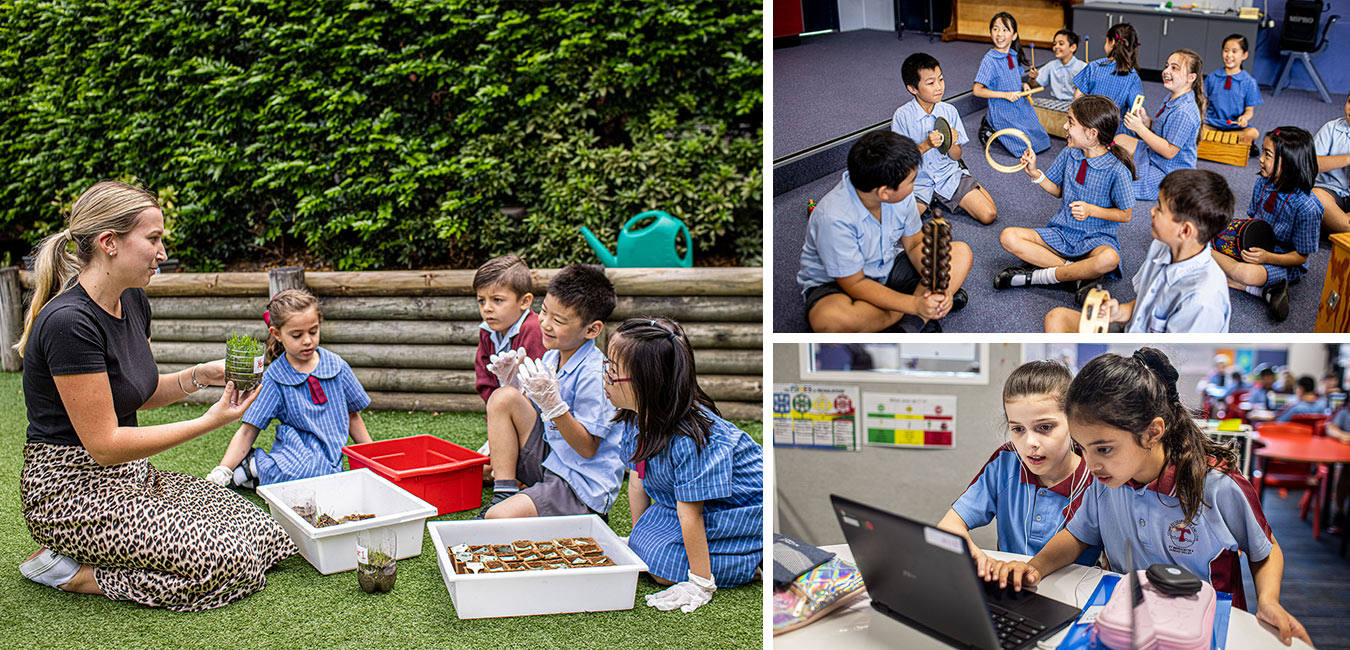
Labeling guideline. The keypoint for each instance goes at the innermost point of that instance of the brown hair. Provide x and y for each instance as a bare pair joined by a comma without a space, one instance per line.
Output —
506,271
1127,393
1195,66
1038,378
1199,196
1124,47
1098,112
108,206
281,308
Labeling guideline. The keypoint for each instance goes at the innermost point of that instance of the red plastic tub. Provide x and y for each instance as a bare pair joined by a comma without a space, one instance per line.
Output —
442,473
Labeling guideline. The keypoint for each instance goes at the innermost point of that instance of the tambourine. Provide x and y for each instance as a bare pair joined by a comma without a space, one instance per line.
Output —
1095,320
941,126
1007,169
1242,234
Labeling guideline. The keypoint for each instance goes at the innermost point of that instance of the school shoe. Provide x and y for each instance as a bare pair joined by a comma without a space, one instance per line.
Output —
959,299
1082,288
497,497
986,132
1277,298
911,324
1003,279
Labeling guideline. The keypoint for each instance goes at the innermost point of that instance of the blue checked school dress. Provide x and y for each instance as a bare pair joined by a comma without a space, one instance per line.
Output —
313,412
1102,181
1100,78
1178,122
728,477
1001,71
1296,218
1229,96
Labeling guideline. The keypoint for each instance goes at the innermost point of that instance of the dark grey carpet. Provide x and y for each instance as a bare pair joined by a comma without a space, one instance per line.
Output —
1019,202
1316,585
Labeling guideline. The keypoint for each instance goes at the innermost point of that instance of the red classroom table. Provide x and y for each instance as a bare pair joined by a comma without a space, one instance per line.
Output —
1307,449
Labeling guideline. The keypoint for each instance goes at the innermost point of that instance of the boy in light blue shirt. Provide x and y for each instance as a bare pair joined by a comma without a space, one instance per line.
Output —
1179,287
553,434
942,178
1332,188
863,246
1058,74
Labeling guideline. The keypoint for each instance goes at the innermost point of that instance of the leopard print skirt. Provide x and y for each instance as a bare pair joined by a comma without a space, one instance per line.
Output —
162,539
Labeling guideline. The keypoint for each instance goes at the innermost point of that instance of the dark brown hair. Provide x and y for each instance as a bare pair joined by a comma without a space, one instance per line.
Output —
656,355
281,308
1127,393
1098,112
506,271
1011,24
1124,47
1199,196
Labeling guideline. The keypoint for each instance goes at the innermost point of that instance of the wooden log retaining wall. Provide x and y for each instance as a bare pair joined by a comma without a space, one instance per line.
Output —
411,336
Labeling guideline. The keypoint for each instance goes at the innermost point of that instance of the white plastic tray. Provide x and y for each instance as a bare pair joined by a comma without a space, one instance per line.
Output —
333,549
543,591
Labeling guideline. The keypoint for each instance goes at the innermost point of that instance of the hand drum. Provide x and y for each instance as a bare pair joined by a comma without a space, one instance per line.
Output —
1242,234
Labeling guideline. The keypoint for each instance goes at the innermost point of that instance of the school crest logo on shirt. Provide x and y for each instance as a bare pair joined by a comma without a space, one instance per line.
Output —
1181,537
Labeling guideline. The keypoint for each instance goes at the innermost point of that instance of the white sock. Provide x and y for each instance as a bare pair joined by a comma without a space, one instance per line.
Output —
50,568
1043,276
1255,291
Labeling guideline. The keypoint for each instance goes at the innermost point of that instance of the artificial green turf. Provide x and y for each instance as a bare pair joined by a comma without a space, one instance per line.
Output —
301,608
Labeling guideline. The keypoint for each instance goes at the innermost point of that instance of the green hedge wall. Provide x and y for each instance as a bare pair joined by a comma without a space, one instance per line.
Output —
389,134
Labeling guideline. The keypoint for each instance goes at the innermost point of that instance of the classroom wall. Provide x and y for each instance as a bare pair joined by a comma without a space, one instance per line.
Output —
917,483
866,14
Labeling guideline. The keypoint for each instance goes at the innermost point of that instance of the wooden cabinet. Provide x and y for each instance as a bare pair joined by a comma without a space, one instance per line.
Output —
1333,311
1037,20
1161,32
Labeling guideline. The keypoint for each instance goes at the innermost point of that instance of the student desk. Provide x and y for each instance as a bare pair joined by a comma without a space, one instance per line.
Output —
860,626
1310,449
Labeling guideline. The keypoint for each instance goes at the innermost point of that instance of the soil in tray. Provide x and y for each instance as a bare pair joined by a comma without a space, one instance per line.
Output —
324,520
378,574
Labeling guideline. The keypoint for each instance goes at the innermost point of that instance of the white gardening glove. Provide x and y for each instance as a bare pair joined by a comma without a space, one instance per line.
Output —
504,366
221,476
688,596
540,383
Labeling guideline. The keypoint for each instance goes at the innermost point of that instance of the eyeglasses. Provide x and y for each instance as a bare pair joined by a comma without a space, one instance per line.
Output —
612,377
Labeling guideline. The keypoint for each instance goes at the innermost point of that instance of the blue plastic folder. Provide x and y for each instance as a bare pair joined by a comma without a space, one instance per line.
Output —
1080,635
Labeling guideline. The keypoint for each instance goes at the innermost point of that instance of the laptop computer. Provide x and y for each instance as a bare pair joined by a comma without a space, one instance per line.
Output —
925,578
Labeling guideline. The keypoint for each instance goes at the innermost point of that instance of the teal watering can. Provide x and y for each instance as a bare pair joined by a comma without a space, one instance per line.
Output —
652,245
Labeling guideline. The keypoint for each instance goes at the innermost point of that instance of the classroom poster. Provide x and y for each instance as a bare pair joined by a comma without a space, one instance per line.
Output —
816,416
898,420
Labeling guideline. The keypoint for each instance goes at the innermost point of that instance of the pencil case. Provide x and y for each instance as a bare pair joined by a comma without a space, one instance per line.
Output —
815,593
1165,622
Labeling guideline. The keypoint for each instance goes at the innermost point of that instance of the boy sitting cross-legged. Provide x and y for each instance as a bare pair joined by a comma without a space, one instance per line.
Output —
863,246
553,434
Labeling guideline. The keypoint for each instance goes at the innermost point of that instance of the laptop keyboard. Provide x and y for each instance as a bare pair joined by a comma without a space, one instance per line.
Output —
1014,630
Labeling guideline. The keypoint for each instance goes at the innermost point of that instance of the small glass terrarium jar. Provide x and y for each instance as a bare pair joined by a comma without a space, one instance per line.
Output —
243,361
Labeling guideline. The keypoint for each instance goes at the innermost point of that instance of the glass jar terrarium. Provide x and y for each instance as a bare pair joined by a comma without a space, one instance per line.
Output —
243,361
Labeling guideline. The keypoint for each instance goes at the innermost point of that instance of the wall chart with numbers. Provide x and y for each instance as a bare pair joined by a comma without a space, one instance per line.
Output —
927,421
816,416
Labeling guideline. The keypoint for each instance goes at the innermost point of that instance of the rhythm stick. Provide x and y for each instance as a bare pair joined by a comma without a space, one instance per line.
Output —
1007,169
1087,42
1033,91
1033,55
1094,319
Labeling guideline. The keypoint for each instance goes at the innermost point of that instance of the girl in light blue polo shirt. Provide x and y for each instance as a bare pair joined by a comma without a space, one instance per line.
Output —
312,394
696,482
1163,488
1034,483
1170,139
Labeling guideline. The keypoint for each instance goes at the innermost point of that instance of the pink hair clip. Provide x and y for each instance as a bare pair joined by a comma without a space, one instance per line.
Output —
267,317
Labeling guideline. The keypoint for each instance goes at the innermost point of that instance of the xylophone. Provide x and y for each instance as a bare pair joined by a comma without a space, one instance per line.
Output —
1052,113
1095,319
1223,147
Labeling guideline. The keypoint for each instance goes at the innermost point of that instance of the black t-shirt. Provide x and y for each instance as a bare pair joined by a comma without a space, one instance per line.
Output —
72,335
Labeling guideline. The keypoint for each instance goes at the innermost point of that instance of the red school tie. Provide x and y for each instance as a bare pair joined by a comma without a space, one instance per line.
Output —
1161,109
1010,65
1269,206
1082,172
316,394
1228,82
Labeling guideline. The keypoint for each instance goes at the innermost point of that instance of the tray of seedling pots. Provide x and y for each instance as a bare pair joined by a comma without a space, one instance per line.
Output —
243,361
324,516
536,565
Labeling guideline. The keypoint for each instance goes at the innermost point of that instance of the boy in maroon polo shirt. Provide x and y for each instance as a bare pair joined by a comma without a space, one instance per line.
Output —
503,288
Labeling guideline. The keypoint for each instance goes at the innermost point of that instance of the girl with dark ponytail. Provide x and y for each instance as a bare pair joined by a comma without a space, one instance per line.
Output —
1168,139
999,80
696,482
1113,76
1163,487
1092,177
